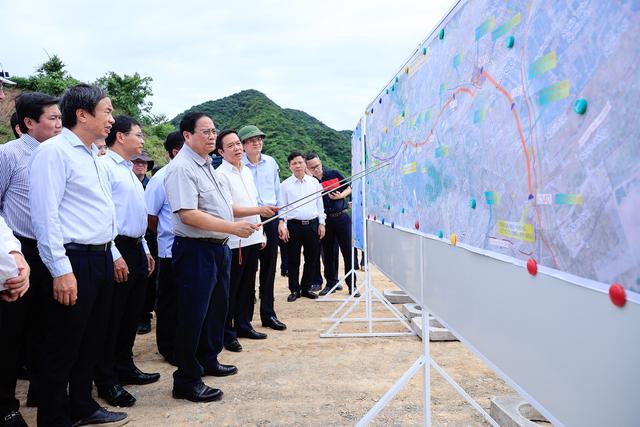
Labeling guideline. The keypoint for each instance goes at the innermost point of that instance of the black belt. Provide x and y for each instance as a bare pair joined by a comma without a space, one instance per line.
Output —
304,221
335,214
210,240
78,247
27,241
128,240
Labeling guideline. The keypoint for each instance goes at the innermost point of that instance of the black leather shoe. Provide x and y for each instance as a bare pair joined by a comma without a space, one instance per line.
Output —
144,327
252,334
293,296
116,396
138,377
316,287
339,288
103,417
309,294
13,419
273,323
326,290
199,393
233,345
221,370
283,274
32,399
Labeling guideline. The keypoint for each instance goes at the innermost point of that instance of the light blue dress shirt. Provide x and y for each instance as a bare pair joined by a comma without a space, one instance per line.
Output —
70,199
128,198
266,176
158,205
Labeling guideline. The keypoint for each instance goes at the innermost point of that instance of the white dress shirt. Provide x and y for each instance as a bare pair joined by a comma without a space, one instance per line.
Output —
240,188
293,189
8,244
158,205
128,198
70,199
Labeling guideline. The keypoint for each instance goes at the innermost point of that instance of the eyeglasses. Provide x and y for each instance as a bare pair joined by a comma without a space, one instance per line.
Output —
312,168
253,140
209,132
139,135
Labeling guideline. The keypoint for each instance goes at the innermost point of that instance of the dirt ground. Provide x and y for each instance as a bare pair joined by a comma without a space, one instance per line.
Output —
297,378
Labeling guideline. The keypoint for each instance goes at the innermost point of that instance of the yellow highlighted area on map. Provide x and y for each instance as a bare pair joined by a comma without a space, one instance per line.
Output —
409,168
516,230
397,121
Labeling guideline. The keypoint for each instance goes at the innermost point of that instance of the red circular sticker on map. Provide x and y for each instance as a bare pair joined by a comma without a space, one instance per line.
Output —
618,295
532,266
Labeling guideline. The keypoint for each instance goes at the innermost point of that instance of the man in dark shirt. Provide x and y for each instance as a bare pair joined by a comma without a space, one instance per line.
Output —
338,222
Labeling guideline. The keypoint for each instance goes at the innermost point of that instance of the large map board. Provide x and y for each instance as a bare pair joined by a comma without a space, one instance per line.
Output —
357,186
489,140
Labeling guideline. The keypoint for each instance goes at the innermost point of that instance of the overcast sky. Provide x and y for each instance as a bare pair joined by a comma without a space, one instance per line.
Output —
328,58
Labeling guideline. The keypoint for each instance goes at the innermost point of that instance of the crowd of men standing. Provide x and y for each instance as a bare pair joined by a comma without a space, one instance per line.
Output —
75,264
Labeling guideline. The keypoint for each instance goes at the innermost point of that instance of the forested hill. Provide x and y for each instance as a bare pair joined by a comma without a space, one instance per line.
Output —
286,130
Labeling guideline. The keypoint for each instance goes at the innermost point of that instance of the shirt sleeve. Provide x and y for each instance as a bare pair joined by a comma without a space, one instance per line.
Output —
6,169
8,244
320,205
285,199
47,175
181,188
154,196
276,185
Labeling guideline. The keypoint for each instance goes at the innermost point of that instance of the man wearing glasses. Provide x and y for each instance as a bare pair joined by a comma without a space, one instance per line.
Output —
202,223
266,176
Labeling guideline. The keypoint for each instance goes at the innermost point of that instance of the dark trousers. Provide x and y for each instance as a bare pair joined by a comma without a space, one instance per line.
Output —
73,341
302,236
150,294
126,303
284,257
338,229
242,290
202,276
21,330
317,277
166,309
268,260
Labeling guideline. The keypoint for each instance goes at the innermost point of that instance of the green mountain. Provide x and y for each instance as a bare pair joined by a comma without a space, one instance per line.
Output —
286,130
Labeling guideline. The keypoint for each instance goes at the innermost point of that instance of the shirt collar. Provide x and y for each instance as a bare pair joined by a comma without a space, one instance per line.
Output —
118,158
247,162
194,156
231,167
305,178
29,141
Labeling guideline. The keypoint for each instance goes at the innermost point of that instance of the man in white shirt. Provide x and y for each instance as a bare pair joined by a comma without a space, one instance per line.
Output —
238,182
74,220
14,270
302,226
132,266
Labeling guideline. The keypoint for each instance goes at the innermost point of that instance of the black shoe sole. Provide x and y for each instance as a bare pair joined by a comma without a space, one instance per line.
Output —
214,398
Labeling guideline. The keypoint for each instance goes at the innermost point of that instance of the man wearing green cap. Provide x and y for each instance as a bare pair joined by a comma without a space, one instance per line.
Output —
266,175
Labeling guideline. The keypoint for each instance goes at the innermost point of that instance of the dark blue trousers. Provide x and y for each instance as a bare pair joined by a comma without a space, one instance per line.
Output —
242,290
202,272
268,259
338,229
166,310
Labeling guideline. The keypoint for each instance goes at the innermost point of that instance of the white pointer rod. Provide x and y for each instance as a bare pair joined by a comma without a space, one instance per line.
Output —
324,192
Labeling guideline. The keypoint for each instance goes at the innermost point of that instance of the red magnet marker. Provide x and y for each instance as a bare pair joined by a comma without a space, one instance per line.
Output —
417,224
375,217
618,295
532,266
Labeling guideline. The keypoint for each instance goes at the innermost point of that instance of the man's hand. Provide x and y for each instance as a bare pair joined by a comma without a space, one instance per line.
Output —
283,232
151,265
17,286
244,229
120,270
335,195
321,231
268,211
65,289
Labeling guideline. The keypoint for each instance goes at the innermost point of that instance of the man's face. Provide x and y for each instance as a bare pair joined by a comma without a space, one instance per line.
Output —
315,167
297,166
139,168
102,147
253,145
99,123
48,126
231,149
203,139
132,142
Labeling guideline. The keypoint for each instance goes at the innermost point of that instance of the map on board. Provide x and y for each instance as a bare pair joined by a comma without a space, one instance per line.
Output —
357,169
516,126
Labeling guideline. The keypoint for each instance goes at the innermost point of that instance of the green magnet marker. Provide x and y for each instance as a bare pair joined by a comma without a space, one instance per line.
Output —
473,203
424,50
402,210
440,234
580,106
441,35
510,41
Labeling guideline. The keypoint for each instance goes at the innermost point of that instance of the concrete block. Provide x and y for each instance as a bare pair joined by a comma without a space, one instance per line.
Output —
435,333
411,310
397,296
513,411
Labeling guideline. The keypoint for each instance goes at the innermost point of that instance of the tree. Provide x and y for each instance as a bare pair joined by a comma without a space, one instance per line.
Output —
128,93
50,78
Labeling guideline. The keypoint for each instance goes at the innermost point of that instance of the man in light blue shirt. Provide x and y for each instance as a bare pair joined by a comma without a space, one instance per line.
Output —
160,220
132,266
74,220
266,176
